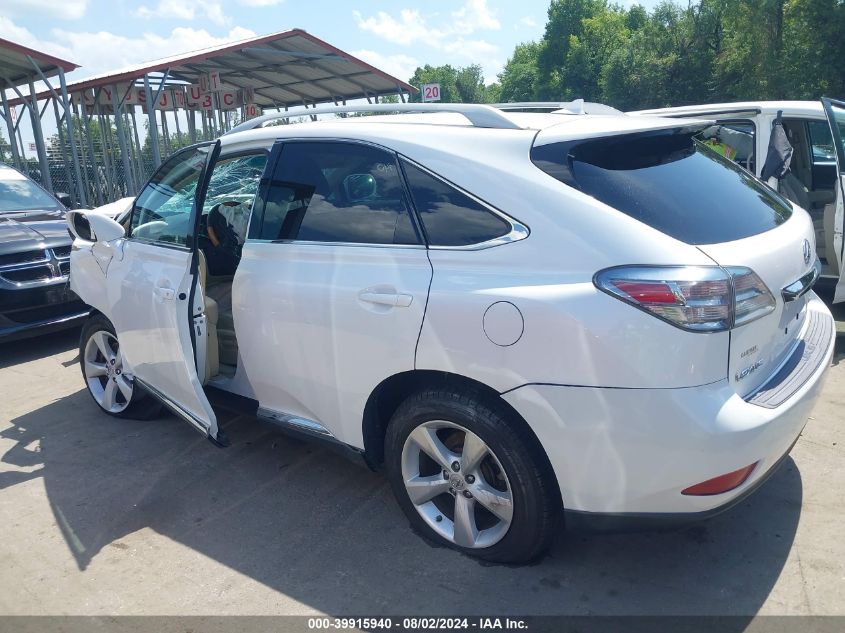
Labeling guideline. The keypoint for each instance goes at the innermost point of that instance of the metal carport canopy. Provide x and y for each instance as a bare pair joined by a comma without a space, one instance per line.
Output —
19,66
284,69
17,63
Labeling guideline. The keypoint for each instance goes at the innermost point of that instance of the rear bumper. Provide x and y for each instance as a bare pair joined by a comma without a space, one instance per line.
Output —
622,456
607,522
36,310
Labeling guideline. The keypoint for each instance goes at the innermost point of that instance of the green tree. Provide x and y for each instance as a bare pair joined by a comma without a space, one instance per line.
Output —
566,19
750,64
469,82
519,77
457,85
446,76
813,48
682,52
590,52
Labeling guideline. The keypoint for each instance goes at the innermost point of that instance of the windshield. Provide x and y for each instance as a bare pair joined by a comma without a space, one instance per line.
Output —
24,195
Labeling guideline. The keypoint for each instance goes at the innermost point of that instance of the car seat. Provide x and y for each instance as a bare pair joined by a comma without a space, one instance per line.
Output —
794,190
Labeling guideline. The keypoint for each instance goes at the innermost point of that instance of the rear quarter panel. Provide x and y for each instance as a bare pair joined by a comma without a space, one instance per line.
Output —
573,334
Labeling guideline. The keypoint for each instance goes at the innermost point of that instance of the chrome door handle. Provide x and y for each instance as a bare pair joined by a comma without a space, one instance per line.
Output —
394,299
165,293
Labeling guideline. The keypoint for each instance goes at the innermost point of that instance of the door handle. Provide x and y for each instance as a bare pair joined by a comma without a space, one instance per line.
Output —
165,293
393,299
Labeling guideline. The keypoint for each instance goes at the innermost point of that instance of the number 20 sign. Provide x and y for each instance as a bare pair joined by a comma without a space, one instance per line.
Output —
431,92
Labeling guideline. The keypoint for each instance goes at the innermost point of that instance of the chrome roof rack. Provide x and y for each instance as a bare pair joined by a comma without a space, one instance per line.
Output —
578,106
478,114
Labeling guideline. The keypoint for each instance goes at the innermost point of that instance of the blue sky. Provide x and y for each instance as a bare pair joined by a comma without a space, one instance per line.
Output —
394,36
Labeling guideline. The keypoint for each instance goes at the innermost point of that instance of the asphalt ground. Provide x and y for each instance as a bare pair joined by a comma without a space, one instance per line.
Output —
105,516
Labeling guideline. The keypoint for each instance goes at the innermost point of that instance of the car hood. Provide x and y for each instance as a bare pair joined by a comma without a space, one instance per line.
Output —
114,209
32,230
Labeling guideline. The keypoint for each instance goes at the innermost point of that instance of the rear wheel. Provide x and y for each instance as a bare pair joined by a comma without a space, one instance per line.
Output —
102,369
466,477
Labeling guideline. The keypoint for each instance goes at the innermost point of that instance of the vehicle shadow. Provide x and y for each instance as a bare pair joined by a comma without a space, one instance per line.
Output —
41,346
307,523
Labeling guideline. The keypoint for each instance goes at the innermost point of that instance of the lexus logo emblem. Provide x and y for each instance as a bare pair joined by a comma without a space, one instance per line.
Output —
806,251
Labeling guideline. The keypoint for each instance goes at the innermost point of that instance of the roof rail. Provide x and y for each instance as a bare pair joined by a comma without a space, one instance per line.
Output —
478,114
578,106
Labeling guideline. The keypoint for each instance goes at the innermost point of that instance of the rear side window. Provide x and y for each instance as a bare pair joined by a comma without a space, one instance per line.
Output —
669,181
451,218
337,192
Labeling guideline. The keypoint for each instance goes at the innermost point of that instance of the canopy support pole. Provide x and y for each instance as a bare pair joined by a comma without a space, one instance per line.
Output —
86,119
35,117
10,127
129,181
69,120
151,110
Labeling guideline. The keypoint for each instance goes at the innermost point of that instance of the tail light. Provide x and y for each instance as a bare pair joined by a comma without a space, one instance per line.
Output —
695,298
752,298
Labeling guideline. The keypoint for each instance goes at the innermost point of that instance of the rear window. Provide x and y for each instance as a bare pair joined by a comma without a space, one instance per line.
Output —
669,181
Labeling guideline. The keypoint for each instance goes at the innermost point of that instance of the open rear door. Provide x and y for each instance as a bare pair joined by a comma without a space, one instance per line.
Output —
835,111
154,292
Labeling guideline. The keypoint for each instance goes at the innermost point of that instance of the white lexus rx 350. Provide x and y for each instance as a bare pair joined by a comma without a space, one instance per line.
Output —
517,316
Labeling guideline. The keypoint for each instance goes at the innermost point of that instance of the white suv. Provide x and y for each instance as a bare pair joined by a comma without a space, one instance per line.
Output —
519,316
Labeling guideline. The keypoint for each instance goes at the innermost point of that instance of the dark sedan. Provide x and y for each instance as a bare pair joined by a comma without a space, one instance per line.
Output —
34,260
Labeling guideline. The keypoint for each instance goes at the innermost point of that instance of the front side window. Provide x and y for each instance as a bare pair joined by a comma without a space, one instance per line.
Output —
450,217
162,212
234,179
232,188
336,192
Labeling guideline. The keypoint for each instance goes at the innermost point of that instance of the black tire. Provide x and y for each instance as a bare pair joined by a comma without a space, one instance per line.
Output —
141,406
536,498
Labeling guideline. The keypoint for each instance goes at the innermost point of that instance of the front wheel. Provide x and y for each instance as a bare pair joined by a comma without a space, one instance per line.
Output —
102,369
467,476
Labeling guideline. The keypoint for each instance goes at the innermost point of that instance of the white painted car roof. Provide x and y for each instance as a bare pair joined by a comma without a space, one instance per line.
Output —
813,109
442,130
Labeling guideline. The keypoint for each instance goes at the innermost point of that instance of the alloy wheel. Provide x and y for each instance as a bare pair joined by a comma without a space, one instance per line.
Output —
457,484
103,364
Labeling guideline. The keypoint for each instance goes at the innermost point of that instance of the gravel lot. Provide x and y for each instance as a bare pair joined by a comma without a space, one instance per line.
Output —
101,516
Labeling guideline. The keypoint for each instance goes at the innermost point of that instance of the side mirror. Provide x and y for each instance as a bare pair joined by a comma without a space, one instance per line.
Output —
64,198
93,227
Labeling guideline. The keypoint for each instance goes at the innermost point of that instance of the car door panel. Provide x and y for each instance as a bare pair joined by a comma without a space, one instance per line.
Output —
330,293
156,302
835,111
319,326
149,293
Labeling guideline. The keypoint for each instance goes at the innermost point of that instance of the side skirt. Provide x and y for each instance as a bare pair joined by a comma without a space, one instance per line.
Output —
292,426
221,440
304,429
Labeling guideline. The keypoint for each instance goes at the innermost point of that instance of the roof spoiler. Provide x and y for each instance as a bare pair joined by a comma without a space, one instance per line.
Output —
578,106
